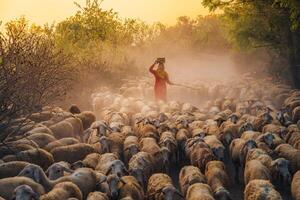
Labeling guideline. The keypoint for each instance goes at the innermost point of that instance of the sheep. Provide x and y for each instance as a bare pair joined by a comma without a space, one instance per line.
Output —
192,143
41,116
273,128
58,170
90,161
15,147
182,136
131,147
160,187
149,145
110,164
254,169
85,178
250,135
74,109
280,172
40,129
199,191
62,191
238,151
296,114
266,138
72,153
77,126
141,166
25,192
295,186
36,156
61,142
41,139
117,140
97,196
62,129
124,187
216,146
168,140
11,169
201,156
261,155
291,154
261,189
87,118
8,186
217,179
228,132
188,176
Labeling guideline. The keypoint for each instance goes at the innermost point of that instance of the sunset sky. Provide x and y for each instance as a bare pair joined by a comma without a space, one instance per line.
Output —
42,11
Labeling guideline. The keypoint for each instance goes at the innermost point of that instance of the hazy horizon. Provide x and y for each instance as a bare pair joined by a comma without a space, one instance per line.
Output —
49,11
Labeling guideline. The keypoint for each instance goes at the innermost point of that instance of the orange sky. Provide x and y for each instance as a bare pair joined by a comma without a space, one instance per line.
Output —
42,11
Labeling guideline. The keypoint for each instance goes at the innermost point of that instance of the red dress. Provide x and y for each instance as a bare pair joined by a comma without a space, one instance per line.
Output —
160,87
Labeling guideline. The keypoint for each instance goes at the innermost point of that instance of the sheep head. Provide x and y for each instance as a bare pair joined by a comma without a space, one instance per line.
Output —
25,192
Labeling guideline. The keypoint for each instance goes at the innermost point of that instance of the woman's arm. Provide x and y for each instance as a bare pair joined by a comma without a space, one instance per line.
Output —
151,69
168,80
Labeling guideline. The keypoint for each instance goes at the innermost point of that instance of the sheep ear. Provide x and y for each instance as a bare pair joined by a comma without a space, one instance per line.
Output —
37,175
122,181
108,171
68,170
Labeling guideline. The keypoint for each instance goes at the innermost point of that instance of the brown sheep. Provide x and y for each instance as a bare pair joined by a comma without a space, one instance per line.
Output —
131,147
296,114
261,155
141,166
109,164
61,142
74,109
199,191
62,129
41,139
261,190
182,136
87,118
122,187
37,156
11,169
77,127
250,135
97,196
291,154
85,178
295,186
201,156
160,187
90,161
238,152
72,153
254,169
63,191
150,146
188,176
8,186
168,140
216,146
217,179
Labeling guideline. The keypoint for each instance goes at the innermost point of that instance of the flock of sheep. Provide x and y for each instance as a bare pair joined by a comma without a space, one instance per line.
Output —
128,146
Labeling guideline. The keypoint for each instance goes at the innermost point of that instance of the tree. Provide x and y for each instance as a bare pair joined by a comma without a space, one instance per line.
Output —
271,24
33,72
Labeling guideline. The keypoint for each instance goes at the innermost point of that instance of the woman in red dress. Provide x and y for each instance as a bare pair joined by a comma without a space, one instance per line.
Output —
161,80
